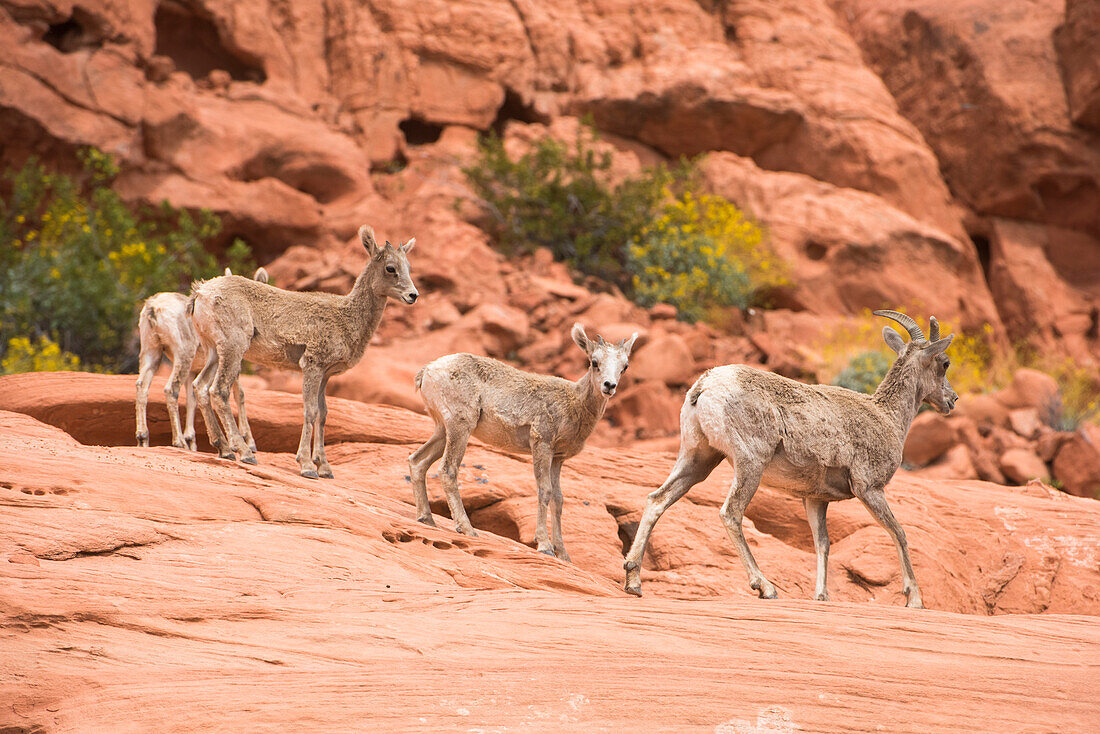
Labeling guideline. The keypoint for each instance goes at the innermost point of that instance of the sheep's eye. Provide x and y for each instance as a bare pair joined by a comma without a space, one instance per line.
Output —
624,368
391,270
946,365
595,364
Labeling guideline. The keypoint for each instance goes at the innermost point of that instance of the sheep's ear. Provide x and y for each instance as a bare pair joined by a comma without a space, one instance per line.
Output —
228,271
628,344
407,247
261,276
366,236
580,337
939,346
893,339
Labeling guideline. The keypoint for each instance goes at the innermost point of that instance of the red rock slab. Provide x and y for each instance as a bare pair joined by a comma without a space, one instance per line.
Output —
99,410
164,590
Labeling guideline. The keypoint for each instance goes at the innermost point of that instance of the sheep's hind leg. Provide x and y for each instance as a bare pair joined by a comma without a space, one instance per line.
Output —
733,512
181,364
875,502
149,361
692,466
319,459
419,462
214,430
242,417
458,435
815,515
229,369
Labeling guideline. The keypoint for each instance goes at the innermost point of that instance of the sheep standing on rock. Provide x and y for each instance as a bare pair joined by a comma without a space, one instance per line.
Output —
544,416
816,442
320,334
165,329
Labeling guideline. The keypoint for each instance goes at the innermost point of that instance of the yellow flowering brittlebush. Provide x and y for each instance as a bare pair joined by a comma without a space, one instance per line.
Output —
76,264
703,253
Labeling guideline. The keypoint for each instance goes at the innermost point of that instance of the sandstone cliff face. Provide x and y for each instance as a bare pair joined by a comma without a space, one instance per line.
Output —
882,144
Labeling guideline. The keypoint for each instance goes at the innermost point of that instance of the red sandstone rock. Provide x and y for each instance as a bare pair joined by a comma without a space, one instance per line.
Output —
1019,465
1025,422
930,435
169,574
665,358
1077,466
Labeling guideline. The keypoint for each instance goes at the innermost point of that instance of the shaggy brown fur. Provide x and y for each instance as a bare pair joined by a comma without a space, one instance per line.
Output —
547,417
816,442
320,334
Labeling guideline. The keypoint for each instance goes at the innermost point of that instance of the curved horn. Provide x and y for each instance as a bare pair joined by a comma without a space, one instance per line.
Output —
909,324
934,329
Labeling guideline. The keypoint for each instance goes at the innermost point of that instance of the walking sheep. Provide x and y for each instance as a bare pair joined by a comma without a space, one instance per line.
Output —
817,442
320,334
544,416
165,329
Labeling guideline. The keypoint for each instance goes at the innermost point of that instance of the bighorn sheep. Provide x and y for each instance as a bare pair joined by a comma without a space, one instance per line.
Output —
320,334
817,442
547,417
165,329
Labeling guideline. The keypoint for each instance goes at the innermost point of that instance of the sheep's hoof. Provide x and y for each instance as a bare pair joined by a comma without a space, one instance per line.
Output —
310,474
429,520
143,440
249,460
821,597
633,590
229,456
766,590
326,474
563,556
470,532
547,552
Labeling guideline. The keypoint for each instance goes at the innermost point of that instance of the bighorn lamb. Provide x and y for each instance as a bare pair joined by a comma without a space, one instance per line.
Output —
320,334
816,442
544,416
165,329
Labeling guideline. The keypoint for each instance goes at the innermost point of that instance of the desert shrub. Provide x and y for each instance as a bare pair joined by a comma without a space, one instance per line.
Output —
864,372
43,355
1078,398
648,234
76,262
702,253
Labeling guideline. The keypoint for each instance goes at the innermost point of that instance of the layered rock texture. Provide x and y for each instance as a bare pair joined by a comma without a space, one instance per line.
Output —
156,589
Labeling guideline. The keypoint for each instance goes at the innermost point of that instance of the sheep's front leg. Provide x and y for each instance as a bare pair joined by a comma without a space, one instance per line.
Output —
542,456
319,459
815,515
733,512
202,396
556,502
419,462
311,383
875,502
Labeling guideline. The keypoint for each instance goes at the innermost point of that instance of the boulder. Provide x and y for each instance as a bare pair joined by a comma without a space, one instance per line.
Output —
1025,421
665,358
930,435
1077,467
1020,465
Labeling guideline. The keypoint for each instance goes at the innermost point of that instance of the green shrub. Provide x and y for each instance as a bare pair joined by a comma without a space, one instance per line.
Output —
864,372
558,196
76,262
702,253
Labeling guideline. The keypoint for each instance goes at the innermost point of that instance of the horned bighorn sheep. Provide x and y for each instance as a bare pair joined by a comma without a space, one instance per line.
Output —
165,329
817,442
547,417
320,334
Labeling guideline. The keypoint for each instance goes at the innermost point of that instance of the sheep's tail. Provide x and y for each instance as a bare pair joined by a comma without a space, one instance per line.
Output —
419,379
195,286
697,389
